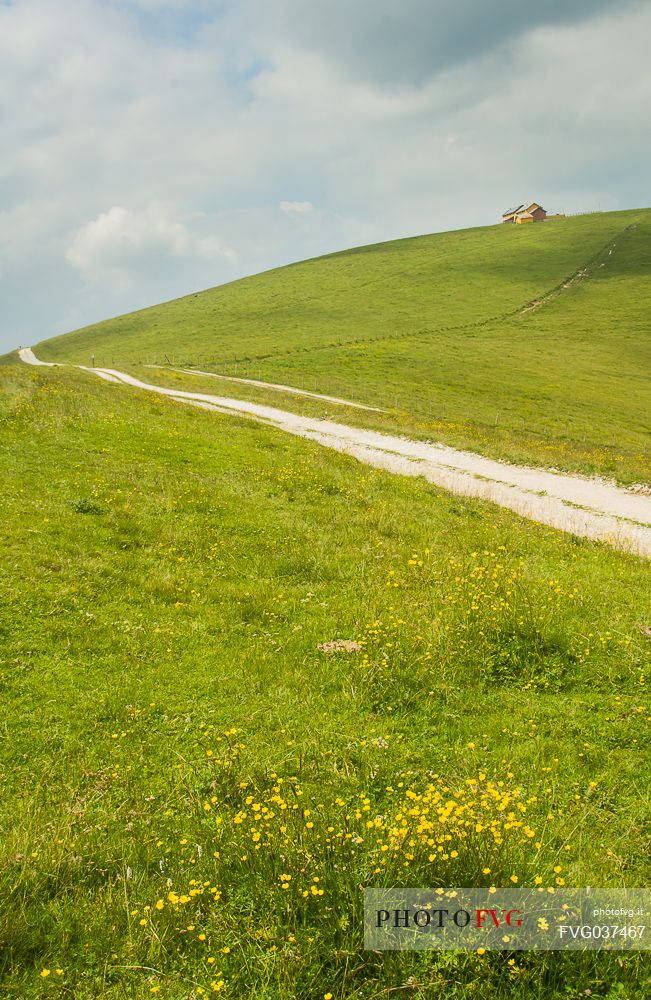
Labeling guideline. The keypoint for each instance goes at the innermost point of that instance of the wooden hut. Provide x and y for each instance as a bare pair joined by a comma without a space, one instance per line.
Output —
525,213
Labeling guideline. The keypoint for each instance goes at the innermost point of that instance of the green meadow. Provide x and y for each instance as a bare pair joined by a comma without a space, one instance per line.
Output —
196,793
528,343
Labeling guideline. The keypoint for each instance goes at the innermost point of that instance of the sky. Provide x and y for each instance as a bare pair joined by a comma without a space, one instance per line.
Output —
152,148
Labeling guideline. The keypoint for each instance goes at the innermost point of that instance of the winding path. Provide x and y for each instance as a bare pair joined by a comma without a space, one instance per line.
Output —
592,508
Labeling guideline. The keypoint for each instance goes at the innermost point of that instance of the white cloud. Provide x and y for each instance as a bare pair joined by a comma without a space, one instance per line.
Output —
119,242
139,165
297,207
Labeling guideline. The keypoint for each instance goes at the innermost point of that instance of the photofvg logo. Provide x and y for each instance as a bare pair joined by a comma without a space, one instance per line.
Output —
510,919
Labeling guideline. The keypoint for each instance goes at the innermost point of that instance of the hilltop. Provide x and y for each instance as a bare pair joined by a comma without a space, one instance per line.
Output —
405,288
503,339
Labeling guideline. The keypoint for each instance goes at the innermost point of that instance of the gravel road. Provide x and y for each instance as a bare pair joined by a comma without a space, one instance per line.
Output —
589,507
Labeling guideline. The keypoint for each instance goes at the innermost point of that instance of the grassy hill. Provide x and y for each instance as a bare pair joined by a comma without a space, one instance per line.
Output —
194,791
528,342
197,787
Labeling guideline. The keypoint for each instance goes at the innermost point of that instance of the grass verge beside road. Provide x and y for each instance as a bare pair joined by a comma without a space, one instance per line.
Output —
195,793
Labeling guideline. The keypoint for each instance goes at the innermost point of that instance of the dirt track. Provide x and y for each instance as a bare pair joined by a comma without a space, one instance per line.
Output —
592,508
276,385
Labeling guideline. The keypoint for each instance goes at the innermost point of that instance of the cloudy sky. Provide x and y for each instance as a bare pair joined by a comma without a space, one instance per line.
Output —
149,148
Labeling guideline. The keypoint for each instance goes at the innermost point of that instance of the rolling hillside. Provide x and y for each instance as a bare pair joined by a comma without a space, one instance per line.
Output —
245,676
532,343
